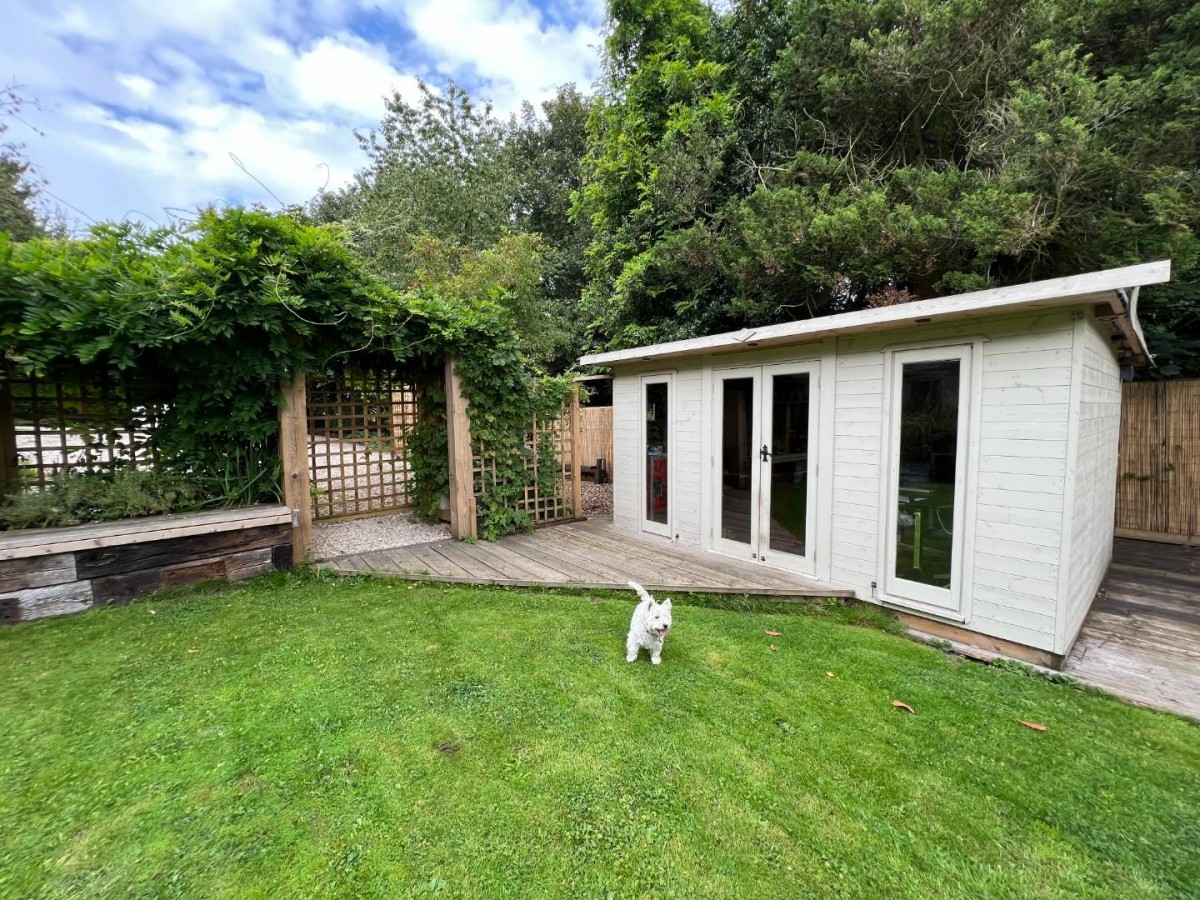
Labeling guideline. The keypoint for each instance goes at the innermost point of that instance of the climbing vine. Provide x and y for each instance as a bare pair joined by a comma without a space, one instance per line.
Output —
213,318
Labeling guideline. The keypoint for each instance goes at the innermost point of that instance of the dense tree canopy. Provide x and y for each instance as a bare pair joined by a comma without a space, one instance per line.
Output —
781,159
455,199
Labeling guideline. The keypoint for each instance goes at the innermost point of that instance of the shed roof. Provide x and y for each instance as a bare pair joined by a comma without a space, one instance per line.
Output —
1113,289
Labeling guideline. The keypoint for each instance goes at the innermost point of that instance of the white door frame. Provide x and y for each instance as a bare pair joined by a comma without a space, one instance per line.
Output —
646,524
758,547
806,564
949,602
720,376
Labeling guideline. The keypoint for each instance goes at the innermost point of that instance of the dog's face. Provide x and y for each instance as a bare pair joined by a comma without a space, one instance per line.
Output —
658,617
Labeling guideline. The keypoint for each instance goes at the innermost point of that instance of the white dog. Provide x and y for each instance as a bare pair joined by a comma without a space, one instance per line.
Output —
649,626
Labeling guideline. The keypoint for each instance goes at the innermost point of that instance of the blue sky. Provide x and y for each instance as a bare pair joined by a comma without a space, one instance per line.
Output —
142,102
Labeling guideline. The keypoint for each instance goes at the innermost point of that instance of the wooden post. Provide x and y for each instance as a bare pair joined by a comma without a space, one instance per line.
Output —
293,454
576,458
458,446
9,471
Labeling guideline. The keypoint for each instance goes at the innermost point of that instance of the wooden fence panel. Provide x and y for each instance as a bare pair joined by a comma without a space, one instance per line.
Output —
1158,487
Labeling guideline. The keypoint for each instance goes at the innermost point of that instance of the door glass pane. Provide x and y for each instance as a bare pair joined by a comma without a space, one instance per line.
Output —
928,459
656,452
737,458
789,462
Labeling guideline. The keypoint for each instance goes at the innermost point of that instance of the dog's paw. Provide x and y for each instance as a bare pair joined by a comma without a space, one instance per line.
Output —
656,660
631,657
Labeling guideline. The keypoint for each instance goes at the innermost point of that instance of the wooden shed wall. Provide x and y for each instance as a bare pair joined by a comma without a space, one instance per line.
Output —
1022,513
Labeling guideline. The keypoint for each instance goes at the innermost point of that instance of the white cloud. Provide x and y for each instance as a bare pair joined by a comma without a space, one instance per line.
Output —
510,46
143,101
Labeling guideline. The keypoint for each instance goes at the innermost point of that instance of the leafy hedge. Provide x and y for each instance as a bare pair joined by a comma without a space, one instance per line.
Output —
217,315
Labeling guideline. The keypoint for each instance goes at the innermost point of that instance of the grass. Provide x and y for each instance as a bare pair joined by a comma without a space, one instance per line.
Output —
298,737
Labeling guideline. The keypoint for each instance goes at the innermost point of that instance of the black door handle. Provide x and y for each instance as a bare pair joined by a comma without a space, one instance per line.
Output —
765,453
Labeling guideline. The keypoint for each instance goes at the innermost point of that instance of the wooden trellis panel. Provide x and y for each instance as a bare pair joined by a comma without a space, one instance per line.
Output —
555,504
1158,486
358,428
57,425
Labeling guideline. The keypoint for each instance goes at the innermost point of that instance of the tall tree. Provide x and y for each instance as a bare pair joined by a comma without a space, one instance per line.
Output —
840,153
547,154
18,215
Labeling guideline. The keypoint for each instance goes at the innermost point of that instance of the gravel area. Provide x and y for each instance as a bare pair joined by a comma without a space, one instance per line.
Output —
374,533
597,499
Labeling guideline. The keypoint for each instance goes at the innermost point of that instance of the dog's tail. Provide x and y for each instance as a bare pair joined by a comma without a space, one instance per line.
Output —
642,592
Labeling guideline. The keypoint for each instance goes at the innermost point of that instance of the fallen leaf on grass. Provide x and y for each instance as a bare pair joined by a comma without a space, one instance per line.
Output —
773,648
193,651
831,675
774,633
900,704
1034,725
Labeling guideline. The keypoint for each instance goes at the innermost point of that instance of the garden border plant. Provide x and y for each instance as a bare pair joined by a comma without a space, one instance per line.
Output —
217,315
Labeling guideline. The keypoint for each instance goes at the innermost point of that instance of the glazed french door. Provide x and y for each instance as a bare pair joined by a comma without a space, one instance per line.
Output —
928,448
765,461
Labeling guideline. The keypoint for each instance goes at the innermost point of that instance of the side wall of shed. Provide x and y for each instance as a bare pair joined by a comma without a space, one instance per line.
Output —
1015,493
1094,463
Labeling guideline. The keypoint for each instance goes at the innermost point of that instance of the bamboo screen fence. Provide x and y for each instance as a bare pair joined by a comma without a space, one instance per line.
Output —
56,425
1158,486
358,428
596,435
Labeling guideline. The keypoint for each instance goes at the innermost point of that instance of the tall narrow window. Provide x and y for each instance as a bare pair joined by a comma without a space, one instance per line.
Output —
928,448
737,459
657,450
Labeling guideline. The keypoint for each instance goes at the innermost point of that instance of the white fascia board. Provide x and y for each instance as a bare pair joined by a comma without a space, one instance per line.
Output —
1093,286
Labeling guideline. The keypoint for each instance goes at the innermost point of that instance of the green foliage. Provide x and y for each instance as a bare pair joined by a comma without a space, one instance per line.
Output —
76,499
215,318
784,159
503,400
453,200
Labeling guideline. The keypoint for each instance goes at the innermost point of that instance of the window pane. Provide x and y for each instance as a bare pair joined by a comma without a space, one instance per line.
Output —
789,462
737,456
656,452
929,423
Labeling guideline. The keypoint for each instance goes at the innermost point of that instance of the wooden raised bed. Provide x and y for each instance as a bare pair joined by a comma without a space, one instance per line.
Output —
56,571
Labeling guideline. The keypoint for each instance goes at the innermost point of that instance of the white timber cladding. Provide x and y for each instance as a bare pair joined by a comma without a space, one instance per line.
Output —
627,436
1038,469
1022,523
1014,503
1093,504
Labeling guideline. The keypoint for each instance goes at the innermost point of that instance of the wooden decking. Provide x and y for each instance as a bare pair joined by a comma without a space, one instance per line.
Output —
1141,640
590,555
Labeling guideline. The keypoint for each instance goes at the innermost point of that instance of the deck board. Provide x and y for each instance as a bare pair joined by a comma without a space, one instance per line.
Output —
1141,639
590,555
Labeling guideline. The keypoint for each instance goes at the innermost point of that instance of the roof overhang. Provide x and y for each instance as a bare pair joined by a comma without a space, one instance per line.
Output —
1113,291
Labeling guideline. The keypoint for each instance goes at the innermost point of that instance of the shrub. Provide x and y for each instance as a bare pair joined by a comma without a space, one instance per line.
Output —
76,499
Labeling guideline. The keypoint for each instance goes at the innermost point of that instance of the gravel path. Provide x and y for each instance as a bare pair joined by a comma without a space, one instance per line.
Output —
374,533
597,499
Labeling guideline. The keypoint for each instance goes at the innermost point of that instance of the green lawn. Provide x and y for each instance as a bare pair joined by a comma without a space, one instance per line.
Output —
356,739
